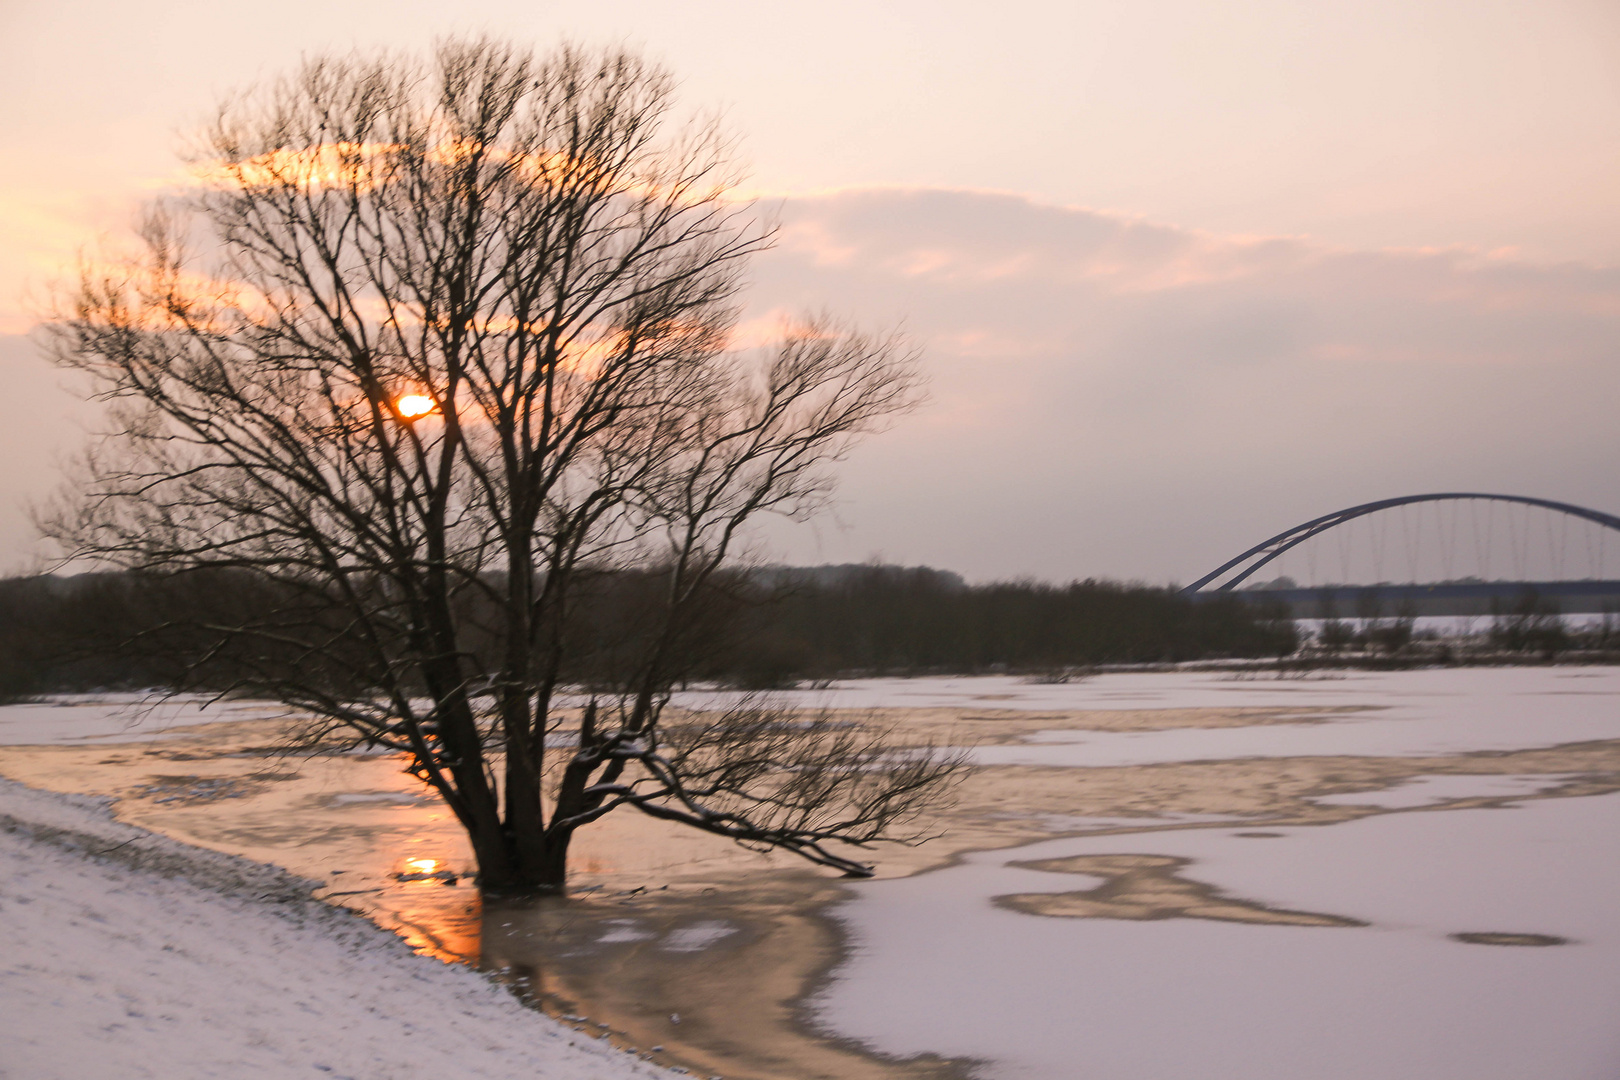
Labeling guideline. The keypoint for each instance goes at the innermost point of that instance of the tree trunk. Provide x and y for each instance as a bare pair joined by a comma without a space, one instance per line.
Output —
513,866
552,873
496,867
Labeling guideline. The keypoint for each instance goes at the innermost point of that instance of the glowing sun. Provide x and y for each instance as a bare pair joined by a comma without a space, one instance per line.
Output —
412,406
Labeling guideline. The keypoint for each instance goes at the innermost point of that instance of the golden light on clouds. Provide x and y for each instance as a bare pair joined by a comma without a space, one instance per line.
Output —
361,166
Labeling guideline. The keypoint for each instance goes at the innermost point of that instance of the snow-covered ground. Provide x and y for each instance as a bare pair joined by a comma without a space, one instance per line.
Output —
1455,709
1445,711
159,960
1201,689
938,968
1431,711
114,718
1461,626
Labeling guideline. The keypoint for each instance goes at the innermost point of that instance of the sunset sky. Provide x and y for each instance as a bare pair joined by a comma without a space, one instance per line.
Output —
1184,273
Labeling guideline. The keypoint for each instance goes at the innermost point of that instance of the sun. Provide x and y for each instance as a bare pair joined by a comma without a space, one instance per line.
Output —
411,406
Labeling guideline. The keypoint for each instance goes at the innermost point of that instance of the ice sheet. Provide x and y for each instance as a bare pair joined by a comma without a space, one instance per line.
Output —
1187,689
937,968
1443,711
1427,790
113,718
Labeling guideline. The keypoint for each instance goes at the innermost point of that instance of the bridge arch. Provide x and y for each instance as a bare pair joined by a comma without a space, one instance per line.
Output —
1267,550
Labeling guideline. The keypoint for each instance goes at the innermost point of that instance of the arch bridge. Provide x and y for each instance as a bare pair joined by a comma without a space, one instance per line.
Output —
1240,568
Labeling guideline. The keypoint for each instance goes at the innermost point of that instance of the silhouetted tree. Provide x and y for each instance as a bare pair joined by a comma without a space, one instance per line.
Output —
437,356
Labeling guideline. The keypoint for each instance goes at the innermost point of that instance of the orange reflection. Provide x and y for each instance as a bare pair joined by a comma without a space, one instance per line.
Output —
445,924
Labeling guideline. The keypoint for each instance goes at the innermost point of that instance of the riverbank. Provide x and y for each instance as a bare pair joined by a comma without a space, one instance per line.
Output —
135,956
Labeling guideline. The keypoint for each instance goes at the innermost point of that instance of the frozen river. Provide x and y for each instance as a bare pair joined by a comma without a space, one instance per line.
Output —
115,718
987,959
1423,942
1407,713
938,967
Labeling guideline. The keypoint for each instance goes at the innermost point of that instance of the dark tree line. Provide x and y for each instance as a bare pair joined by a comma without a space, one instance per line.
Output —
894,620
762,629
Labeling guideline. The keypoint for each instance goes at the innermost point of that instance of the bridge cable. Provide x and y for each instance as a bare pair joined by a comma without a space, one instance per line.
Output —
1378,546
1490,539
1411,541
1563,544
1343,538
1519,538
1447,543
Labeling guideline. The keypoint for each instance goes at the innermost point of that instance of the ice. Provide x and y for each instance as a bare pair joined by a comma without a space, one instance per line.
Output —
117,718
937,968
624,930
697,937
1412,713
1179,689
396,797
1077,822
1427,790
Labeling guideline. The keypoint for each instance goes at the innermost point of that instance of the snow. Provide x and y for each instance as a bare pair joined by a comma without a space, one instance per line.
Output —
1413,713
624,930
1185,689
697,937
351,798
134,956
158,960
1462,626
937,968
1427,790
115,718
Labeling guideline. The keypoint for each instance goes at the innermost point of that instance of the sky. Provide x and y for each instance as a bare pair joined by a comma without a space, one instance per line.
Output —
1183,273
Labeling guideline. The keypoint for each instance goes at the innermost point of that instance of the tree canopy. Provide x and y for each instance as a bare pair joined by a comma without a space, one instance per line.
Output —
436,350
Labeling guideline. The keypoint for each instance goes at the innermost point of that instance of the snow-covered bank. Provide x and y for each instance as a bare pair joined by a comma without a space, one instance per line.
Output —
136,956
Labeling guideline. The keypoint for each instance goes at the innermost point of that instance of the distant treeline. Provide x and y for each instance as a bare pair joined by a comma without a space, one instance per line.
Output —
882,620
768,627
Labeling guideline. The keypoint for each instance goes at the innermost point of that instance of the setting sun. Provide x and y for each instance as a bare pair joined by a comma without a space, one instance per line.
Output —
412,406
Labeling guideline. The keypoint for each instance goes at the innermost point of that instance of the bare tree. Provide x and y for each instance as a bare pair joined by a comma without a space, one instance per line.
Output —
433,351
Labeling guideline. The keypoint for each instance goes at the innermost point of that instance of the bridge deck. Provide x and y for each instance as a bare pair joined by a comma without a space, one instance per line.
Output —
1470,598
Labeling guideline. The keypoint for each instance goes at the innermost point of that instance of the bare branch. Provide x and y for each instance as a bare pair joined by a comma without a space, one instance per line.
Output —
542,252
